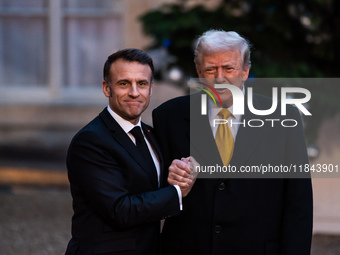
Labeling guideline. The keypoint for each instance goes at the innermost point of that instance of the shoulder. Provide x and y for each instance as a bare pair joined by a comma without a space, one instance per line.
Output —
93,131
174,105
264,102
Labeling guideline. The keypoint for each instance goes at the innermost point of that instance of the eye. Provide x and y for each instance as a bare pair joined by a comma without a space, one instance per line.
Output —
143,83
210,70
228,69
123,83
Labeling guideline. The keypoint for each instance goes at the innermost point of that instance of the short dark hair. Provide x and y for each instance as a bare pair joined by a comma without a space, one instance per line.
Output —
129,55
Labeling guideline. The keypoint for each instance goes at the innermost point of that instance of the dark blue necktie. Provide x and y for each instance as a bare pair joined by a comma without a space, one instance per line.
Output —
144,150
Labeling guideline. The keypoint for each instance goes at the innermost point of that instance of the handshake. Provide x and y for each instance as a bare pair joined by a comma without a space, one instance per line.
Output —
182,173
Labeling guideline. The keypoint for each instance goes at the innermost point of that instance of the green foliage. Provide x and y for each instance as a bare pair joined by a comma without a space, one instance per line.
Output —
290,39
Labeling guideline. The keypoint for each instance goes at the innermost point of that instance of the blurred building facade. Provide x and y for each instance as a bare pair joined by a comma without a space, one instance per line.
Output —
51,58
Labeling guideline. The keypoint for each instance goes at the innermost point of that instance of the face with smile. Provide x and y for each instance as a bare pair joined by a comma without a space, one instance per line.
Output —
129,90
223,68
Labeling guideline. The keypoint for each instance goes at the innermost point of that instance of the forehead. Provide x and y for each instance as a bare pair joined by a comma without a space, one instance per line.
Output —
122,69
222,57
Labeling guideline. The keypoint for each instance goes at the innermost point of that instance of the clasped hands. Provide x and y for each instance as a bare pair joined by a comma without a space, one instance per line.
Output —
182,173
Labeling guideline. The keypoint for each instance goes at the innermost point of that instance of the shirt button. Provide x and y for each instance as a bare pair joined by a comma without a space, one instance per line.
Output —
221,186
218,229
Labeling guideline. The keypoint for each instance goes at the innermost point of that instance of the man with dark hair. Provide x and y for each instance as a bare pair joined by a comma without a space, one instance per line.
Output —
225,215
115,168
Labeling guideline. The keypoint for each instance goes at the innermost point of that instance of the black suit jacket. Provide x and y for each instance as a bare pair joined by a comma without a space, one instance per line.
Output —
117,204
237,216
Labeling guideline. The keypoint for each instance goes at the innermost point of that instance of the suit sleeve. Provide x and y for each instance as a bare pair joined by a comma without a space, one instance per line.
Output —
298,203
104,181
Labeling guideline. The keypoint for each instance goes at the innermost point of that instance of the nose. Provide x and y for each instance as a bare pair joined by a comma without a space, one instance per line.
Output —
134,92
219,76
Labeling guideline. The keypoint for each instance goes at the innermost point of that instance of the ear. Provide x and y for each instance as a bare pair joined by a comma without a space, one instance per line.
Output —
199,71
245,74
150,90
106,89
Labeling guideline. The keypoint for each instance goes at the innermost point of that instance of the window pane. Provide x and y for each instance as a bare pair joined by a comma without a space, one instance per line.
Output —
88,43
22,3
102,4
23,51
23,42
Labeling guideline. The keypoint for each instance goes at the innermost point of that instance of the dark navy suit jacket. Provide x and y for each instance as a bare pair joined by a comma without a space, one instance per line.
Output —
242,216
116,201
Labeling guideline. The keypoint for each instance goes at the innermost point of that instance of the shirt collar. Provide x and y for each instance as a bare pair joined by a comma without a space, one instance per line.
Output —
123,123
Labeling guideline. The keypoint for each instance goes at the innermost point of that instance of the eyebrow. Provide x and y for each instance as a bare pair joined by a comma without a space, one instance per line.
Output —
128,81
144,80
223,65
121,80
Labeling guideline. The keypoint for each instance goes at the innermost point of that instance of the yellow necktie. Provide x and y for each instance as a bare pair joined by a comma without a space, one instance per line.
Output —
224,138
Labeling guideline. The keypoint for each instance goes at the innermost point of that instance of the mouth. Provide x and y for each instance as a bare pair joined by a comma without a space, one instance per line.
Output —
133,102
221,90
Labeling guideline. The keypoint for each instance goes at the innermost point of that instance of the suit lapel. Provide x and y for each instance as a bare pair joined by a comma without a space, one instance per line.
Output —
124,140
247,137
202,142
154,145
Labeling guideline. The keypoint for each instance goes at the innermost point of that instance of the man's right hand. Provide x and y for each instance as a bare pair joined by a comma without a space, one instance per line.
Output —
180,174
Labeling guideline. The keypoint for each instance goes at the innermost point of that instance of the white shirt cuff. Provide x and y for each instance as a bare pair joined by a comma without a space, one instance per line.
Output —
179,192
